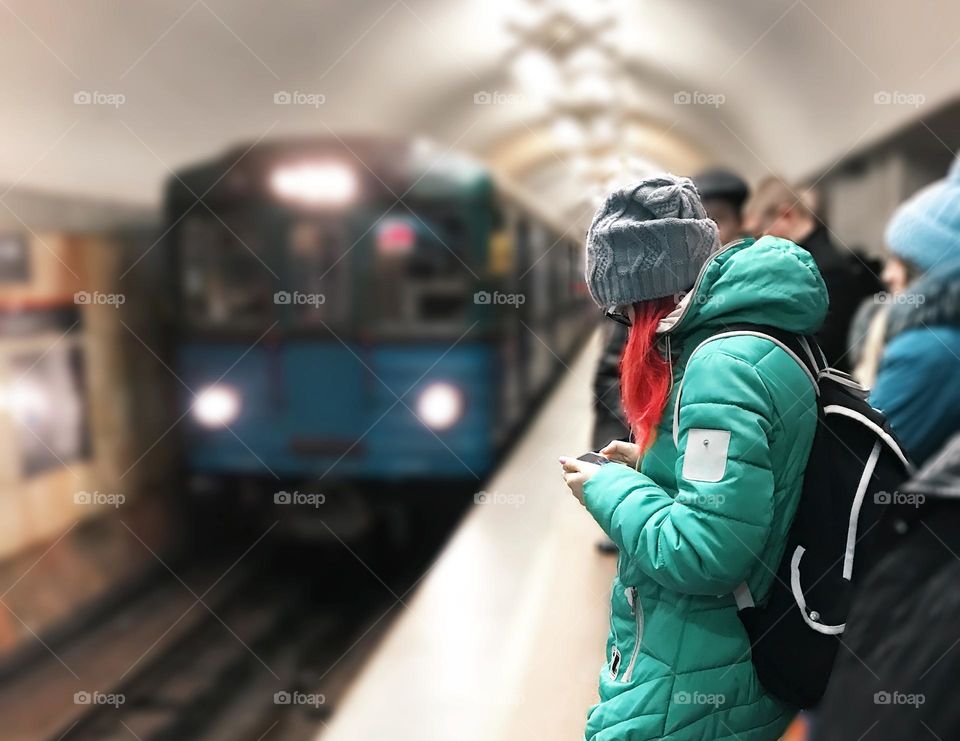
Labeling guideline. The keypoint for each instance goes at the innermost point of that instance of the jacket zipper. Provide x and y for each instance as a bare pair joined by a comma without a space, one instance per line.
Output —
615,652
637,609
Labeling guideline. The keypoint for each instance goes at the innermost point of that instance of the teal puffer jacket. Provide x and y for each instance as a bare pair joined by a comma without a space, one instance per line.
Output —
710,507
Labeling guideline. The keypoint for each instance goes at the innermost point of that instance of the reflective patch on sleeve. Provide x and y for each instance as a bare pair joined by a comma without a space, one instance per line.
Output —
705,457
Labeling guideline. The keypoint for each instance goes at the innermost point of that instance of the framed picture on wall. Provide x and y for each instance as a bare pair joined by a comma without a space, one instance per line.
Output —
50,408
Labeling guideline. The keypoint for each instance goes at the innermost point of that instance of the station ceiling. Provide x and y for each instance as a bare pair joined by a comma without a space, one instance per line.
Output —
103,98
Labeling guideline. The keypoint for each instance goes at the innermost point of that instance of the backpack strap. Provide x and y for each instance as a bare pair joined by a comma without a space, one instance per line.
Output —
799,347
804,350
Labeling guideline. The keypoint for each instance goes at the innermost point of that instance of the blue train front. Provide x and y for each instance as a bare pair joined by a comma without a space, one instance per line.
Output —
362,310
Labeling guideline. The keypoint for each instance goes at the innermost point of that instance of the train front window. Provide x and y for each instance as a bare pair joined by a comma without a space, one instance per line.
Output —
318,258
422,278
225,278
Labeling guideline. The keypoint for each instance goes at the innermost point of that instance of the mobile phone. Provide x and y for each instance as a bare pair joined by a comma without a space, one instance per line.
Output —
593,458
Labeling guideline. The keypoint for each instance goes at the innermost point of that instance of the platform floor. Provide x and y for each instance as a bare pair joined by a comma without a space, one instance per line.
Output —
504,636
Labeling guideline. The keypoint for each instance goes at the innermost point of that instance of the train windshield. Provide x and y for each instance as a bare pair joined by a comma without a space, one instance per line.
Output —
422,278
407,272
318,258
225,277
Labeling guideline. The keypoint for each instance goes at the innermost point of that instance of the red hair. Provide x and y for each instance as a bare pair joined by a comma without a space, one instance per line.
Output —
644,371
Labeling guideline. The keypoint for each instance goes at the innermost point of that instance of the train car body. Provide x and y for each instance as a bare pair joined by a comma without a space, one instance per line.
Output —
362,310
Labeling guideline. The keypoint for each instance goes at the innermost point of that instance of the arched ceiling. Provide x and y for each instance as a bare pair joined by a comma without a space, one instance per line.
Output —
776,85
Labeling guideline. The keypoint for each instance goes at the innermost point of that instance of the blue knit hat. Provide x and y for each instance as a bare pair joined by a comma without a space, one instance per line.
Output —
925,229
647,241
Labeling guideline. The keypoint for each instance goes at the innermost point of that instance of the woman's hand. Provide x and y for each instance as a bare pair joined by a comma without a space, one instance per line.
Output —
576,473
622,452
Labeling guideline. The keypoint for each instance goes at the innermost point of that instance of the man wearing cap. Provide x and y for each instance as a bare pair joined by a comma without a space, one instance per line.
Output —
723,194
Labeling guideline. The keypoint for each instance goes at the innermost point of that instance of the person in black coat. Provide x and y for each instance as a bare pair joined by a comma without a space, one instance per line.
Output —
610,422
795,214
896,674
609,419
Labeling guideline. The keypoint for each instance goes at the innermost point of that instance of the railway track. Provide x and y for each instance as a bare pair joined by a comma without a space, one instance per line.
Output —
181,691
251,668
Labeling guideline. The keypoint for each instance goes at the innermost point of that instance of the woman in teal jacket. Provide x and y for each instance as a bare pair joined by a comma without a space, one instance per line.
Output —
704,511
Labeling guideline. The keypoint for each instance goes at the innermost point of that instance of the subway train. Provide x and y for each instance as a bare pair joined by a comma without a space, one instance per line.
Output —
363,310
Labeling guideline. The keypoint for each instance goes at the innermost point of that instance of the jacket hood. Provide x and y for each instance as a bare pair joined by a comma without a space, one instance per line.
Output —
767,281
932,301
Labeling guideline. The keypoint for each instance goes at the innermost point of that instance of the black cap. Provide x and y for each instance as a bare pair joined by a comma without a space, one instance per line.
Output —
722,184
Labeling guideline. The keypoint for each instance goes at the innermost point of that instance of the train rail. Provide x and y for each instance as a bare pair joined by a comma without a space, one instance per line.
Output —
183,690
270,657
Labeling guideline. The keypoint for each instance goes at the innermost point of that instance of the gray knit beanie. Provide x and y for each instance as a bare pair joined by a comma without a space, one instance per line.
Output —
647,241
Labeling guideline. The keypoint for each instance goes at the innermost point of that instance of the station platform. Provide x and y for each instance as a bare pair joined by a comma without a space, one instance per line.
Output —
504,636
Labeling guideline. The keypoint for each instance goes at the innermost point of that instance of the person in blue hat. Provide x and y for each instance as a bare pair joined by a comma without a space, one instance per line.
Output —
918,382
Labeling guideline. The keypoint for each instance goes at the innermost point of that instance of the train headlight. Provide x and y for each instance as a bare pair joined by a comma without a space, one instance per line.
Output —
440,405
315,184
216,406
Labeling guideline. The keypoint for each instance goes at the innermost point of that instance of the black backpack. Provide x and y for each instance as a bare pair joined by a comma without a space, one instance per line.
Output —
838,533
